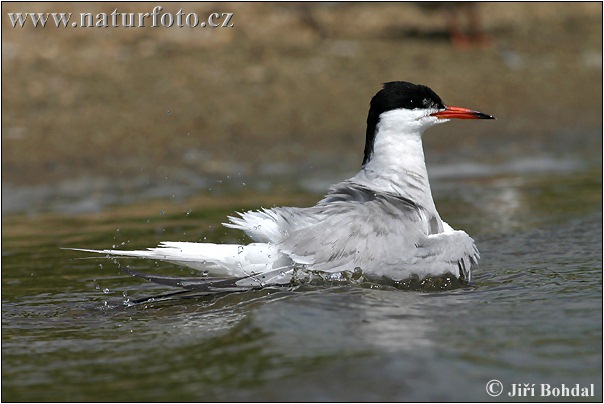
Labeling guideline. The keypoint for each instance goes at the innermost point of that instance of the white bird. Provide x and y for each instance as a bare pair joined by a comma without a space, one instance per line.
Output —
382,221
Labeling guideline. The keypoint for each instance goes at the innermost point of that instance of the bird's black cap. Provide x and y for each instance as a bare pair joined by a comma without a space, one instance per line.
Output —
401,94
396,95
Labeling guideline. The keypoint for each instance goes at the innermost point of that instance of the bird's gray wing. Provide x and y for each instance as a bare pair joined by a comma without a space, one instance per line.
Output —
381,233
276,224
448,252
356,227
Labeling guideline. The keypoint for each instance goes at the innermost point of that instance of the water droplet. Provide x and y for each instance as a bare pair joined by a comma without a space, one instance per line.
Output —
106,290
243,184
101,266
98,287
188,212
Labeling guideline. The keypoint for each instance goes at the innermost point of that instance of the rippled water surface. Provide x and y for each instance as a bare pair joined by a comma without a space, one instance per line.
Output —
533,313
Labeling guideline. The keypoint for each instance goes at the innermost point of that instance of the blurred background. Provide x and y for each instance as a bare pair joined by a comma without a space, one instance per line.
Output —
277,103
126,137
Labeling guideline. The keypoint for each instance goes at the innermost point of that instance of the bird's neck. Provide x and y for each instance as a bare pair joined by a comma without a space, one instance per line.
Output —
398,166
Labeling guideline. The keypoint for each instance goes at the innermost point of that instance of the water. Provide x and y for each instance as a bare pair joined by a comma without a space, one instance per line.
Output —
533,313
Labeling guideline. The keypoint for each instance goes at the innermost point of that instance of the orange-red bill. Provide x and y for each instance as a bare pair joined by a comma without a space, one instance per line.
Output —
460,113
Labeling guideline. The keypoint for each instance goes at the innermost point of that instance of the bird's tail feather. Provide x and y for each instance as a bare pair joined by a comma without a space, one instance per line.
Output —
230,260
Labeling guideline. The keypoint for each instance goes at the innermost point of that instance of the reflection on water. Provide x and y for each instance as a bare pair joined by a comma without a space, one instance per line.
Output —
532,314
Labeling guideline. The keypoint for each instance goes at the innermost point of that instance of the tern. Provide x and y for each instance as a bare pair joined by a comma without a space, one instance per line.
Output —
382,221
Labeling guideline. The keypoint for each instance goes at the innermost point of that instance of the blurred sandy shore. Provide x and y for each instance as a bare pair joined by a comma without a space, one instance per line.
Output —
287,86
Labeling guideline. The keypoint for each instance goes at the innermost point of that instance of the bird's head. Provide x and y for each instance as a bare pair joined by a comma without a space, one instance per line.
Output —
412,108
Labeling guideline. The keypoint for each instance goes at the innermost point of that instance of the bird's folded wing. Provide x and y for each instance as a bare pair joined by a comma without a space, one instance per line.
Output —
449,252
367,235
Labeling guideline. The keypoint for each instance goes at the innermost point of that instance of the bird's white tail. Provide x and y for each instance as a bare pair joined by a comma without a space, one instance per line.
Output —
232,260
